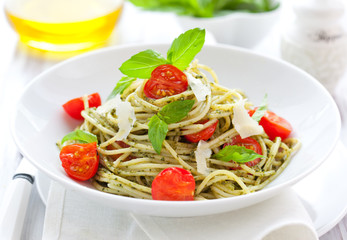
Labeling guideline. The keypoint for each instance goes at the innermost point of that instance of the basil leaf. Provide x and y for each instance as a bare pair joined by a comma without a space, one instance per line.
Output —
157,130
261,110
158,124
142,64
81,136
237,154
122,84
185,47
175,111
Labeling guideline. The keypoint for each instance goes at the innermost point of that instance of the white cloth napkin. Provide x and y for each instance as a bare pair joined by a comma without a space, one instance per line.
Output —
68,216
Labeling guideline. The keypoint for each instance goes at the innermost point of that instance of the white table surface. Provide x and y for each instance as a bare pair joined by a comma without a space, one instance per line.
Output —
19,65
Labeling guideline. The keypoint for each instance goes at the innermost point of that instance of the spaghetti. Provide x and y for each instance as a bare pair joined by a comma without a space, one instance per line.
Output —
128,167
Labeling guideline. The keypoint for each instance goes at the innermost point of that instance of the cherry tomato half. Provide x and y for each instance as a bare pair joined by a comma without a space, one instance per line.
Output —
274,125
80,161
248,143
166,80
173,184
75,106
204,134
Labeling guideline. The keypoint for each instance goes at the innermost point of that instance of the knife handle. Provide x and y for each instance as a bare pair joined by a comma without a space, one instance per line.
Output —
14,206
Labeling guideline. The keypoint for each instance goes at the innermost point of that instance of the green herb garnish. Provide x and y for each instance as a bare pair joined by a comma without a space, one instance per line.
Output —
157,130
122,84
175,111
80,136
237,154
261,110
158,124
184,48
181,53
142,64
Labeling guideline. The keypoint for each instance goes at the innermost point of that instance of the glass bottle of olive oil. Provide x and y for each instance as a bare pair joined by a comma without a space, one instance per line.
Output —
63,25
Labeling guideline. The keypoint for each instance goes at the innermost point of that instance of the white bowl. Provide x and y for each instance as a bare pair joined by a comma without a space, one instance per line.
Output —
39,120
241,29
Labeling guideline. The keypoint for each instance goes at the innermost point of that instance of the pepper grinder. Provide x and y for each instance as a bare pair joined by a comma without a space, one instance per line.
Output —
316,40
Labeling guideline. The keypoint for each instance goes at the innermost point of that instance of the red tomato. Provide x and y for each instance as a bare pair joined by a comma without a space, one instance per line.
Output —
166,80
75,106
80,161
173,184
274,125
204,134
248,143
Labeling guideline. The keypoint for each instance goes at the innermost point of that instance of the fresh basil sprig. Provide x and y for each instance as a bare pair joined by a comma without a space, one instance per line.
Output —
237,154
261,110
158,124
182,51
122,84
80,136
180,54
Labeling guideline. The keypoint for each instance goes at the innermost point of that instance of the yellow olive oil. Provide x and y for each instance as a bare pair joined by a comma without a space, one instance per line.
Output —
63,25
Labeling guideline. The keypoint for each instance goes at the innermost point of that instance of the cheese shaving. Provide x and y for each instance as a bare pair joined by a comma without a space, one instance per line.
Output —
125,115
201,154
244,124
199,89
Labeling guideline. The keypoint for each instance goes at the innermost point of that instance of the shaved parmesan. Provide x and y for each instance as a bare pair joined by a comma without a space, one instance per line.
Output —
199,89
244,124
125,115
201,154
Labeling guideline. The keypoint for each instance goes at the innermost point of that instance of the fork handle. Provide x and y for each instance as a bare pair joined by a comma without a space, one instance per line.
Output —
14,206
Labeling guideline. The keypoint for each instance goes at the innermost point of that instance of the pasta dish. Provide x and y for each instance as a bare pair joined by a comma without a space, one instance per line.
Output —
218,140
